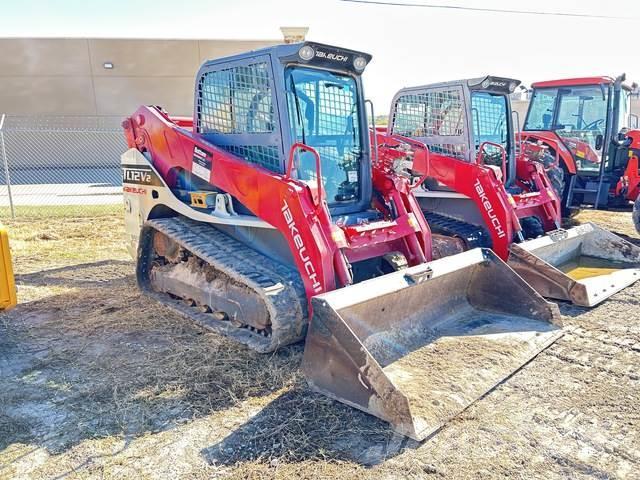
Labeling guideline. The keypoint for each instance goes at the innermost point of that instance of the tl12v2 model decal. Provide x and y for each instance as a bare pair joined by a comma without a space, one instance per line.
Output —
140,175
201,165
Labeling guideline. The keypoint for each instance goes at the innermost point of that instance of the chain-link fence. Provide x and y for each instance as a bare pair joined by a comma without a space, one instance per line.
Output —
59,164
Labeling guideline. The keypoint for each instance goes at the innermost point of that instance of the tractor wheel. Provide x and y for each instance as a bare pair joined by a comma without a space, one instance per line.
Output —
636,214
556,177
559,183
567,212
531,227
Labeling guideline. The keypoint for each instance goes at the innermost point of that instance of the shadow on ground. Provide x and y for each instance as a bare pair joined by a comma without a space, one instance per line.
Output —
301,425
103,360
83,275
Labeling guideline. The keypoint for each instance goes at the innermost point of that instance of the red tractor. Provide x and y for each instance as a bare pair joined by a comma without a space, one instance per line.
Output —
269,218
477,187
585,125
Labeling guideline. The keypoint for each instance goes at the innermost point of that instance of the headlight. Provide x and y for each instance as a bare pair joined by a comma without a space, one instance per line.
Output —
486,83
359,63
306,53
512,87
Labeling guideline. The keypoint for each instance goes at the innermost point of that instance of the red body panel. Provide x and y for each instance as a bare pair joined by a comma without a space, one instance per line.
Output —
551,139
320,248
542,202
582,150
629,184
500,210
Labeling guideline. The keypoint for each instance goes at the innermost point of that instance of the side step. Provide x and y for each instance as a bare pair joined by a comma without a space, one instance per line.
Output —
418,346
584,265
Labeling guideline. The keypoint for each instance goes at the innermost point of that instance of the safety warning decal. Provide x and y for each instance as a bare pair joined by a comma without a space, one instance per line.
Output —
201,165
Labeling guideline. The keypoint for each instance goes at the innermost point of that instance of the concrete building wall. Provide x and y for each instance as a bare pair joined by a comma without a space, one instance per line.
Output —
57,76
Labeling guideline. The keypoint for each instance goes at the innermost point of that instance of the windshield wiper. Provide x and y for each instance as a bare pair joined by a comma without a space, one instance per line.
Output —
297,100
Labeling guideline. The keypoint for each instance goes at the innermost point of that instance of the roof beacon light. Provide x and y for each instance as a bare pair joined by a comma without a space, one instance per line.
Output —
359,63
306,53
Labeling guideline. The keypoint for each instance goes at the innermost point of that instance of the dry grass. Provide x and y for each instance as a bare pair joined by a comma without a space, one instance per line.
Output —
55,240
619,222
98,382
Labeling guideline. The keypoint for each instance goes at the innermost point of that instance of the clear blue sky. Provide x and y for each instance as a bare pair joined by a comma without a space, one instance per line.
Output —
410,45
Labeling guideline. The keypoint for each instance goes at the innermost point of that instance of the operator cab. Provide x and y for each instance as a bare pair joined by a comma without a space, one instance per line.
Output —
493,132
259,104
467,119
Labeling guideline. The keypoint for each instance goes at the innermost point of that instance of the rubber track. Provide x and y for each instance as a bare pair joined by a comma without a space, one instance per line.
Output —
473,235
280,287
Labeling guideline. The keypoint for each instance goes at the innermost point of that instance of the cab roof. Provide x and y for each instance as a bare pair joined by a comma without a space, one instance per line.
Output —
575,82
324,55
495,83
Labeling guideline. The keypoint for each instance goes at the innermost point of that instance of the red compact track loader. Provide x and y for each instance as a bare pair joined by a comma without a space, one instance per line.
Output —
477,184
585,124
268,218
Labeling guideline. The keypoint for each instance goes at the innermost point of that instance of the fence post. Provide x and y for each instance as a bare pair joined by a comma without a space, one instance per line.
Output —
3,152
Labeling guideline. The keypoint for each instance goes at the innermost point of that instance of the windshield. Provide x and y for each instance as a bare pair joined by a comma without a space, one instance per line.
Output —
489,117
578,115
324,113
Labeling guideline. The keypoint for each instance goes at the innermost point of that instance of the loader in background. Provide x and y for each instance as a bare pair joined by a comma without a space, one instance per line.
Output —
480,186
268,218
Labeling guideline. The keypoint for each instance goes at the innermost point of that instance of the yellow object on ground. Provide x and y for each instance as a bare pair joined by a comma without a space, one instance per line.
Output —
8,297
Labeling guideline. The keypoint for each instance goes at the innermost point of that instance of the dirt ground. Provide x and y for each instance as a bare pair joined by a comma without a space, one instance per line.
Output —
98,382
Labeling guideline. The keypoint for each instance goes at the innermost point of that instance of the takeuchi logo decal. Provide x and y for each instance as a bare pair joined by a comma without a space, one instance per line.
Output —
332,56
495,221
309,268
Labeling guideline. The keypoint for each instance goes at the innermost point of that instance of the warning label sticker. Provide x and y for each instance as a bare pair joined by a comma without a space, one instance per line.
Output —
201,165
